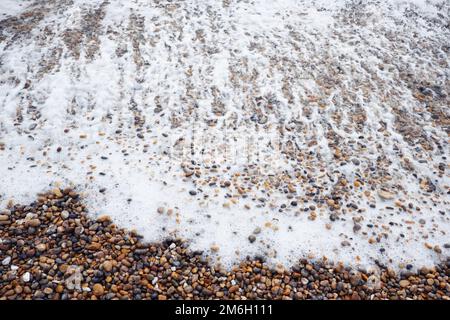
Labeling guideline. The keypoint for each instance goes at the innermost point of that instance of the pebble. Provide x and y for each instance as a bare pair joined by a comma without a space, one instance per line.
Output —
57,193
64,214
437,249
107,266
404,283
386,195
257,230
48,291
34,222
26,277
6,261
98,289
94,246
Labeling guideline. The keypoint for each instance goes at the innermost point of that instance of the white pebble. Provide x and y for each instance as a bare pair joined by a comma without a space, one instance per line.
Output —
64,214
26,277
6,261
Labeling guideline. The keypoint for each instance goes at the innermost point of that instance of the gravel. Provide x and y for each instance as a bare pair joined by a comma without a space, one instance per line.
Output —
106,263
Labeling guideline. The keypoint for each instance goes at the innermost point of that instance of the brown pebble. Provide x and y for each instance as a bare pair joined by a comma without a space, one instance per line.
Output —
233,289
107,266
94,246
404,283
98,289
33,222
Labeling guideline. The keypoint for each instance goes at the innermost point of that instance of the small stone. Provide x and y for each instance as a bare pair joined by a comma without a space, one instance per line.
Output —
356,227
57,193
291,188
355,279
160,210
48,290
207,292
251,238
64,214
26,277
107,266
233,289
94,246
386,195
188,172
345,243
94,227
98,289
6,261
404,283
428,245
324,283
34,223
41,247
171,290
104,218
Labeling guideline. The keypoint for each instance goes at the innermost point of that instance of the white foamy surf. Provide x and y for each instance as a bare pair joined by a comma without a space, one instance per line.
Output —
276,128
